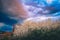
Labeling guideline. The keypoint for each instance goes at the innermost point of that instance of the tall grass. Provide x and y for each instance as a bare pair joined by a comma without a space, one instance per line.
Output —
45,30
42,34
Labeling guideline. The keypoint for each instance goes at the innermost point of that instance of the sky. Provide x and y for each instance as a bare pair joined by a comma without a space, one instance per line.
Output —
35,8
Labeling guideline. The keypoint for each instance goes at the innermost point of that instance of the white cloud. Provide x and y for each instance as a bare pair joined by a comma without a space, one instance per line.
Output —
49,1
